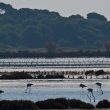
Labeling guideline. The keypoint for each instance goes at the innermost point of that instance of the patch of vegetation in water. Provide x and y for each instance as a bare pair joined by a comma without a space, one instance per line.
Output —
17,75
103,104
62,103
17,105
55,76
58,103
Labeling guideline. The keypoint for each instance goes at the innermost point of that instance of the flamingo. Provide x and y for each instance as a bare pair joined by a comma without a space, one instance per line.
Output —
90,93
99,87
28,87
82,86
1,91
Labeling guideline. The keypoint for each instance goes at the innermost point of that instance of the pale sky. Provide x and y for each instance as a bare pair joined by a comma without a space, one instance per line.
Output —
65,7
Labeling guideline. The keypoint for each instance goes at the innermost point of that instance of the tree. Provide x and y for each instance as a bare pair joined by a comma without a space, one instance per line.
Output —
33,28
96,16
107,48
51,47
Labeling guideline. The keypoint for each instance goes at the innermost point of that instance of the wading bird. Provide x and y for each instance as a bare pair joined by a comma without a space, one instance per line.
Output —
28,89
99,89
1,91
82,86
90,94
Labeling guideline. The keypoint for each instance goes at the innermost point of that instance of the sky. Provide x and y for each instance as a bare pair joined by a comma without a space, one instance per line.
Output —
65,7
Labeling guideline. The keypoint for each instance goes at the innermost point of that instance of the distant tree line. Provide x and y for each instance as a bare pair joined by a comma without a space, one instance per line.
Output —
33,28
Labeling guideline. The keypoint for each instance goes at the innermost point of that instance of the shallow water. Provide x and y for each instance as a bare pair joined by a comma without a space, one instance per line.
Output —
45,89
54,64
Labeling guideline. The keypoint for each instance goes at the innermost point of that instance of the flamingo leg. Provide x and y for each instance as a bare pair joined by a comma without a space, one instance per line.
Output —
89,97
26,90
93,96
29,90
82,90
97,90
101,90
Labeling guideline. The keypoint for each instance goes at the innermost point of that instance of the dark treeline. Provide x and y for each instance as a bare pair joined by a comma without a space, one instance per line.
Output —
34,54
59,103
32,28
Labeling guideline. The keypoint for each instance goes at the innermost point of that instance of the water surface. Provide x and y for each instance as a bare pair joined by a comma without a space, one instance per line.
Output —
45,89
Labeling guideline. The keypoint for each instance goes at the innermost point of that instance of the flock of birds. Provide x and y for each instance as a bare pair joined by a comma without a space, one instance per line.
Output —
90,90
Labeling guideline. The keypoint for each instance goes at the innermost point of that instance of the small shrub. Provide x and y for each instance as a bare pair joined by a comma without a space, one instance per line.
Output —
103,104
47,104
62,103
99,72
80,77
40,77
16,75
50,104
54,76
73,103
17,105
